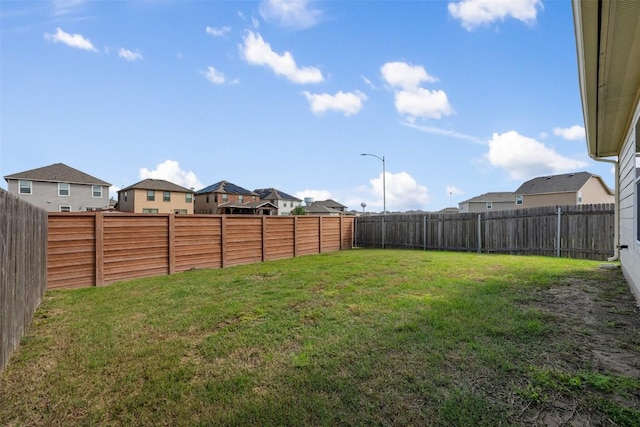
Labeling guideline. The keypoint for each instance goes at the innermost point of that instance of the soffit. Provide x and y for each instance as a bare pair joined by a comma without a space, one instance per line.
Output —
608,36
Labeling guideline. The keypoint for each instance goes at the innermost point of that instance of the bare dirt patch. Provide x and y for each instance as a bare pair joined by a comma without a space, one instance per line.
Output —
598,332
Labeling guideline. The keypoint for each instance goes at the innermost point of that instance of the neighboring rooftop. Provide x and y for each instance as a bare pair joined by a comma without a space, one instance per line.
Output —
274,194
495,197
225,187
57,172
563,183
158,185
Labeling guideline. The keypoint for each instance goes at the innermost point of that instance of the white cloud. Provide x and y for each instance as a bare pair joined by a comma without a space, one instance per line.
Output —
169,170
74,40
430,104
475,13
405,76
256,51
368,82
218,32
214,76
411,99
524,157
348,103
129,55
290,13
445,132
402,193
573,133
65,7
314,194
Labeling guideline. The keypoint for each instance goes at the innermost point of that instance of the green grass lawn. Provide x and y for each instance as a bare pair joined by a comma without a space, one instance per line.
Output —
360,337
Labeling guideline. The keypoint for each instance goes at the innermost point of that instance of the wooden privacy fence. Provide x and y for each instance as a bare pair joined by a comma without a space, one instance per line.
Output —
23,272
96,248
583,231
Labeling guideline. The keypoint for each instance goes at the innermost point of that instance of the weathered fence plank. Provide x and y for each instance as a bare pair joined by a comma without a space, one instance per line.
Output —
23,269
585,231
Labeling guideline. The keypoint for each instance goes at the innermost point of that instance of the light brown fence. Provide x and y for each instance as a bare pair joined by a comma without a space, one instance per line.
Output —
23,273
96,248
583,232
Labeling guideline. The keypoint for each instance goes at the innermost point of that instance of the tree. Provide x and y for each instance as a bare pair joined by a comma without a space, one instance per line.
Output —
298,210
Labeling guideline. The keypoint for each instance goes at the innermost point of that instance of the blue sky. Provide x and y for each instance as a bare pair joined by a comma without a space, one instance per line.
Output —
461,97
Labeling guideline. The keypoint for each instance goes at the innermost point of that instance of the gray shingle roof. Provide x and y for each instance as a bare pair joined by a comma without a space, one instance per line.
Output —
495,197
564,183
328,203
274,194
225,187
157,184
58,172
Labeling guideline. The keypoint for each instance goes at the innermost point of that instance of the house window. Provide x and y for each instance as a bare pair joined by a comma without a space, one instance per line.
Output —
519,200
96,191
215,198
208,198
225,197
579,196
188,198
180,211
125,196
240,198
150,210
489,205
24,187
63,189
65,208
166,196
151,195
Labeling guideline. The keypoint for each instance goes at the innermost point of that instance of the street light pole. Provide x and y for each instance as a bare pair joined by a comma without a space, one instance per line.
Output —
384,192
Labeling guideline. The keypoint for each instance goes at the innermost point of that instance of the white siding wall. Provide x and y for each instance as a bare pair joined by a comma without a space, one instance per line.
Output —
630,257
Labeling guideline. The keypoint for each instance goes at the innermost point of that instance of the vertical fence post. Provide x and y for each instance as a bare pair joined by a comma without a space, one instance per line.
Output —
559,215
479,233
320,234
223,241
355,232
295,236
264,238
171,241
425,233
99,248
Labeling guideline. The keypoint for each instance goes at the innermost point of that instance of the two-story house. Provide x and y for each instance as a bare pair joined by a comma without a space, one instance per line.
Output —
60,188
227,198
565,189
155,196
488,202
284,202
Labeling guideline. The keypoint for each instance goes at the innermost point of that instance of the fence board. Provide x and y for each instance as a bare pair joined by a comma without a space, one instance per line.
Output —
586,231
23,269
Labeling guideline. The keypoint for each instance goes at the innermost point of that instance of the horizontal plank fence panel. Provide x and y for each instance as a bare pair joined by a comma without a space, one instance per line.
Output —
308,235
98,248
279,237
23,269
70,252
583,231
